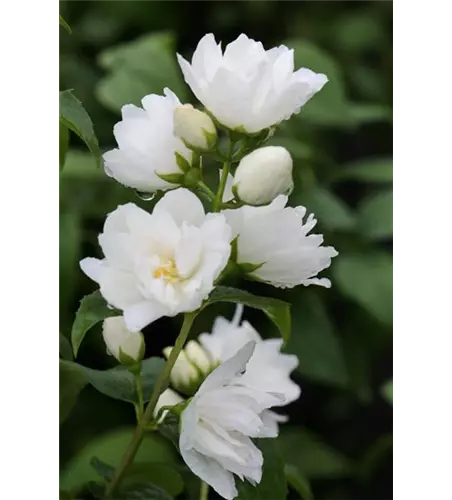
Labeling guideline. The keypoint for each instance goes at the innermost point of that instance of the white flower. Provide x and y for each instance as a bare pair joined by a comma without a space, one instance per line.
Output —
160,264
126,346
276,240
248,87
167,398
147,144
194,127
268,369
264,174
218,423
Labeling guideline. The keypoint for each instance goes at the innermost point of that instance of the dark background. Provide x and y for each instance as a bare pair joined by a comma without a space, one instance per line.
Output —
339,438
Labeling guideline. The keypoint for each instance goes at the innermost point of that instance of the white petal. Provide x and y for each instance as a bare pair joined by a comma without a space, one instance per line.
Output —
182,205
141,314
93,268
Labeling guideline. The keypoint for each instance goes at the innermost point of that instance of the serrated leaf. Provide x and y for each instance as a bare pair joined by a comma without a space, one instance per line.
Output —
310,456
109,448
65,25
92,310
331,212
273,483
298,482
74,116
367,170
314,342
71,382
64,144
367,280
119,382
277,310
375,217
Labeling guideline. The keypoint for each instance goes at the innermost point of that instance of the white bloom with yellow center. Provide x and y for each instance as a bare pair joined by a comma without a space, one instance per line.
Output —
147,145
246,86
160,264
274,238
218,423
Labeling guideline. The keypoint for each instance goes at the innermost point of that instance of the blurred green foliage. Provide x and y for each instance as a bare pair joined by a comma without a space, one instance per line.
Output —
337,444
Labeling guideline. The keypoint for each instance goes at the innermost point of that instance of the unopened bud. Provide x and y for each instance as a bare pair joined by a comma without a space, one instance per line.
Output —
195,128
184,376
167,398
126,346
264,174
198,357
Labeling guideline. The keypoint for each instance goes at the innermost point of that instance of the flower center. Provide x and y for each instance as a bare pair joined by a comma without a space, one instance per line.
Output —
167,271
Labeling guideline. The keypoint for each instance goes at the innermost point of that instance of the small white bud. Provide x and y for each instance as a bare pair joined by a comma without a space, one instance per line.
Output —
167,398
194,127
184,376
198,357
264,174
126,346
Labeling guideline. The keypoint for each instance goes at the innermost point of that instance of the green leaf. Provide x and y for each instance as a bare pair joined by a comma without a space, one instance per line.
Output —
75,118
309,456
273,483
92,310
81,165
367,280
313,340
163,476
298,482
104,470
109,448
65,25
331,212
119,382
129,79
64,143
368,170
277,310
375,216
142,491
170,429
363,113
71,383
65,348
387,391
69,240
330,105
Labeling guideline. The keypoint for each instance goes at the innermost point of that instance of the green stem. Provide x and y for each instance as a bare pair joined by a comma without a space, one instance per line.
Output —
216,206
160,386
139,381
206,189
204,491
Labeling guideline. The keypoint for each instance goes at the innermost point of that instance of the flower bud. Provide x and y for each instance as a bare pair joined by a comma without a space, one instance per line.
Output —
198,357
167,398
263,174
195,128
184,376
126,346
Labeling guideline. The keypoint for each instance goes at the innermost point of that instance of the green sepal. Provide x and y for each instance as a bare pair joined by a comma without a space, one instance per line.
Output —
172,178
191,178
211,138
234,250
182,163
131,363
248,268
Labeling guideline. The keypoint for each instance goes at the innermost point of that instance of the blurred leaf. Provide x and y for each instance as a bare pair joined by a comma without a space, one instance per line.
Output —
119,382
309,456
75,118
277,310
298,482
373,456
366,279
329,106
314,342
161,475
367,170
80,165
331,212
65,348
109,448
92,310
375,216
65,24
273,483
387,391
64,144
69,253
71,383
358,33
104,470
145,66
363,113
141,491
298,150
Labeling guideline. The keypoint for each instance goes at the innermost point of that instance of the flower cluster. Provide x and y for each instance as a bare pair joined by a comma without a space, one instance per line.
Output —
168,261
